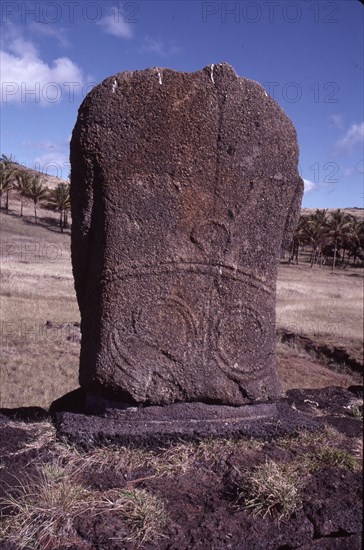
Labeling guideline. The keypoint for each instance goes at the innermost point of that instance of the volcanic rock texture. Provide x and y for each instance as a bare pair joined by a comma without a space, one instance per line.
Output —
184,189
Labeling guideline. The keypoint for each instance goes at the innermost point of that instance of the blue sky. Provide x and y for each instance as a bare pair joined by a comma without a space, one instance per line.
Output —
308,54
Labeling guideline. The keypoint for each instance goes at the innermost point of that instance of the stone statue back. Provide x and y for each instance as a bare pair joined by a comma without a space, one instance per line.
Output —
184,189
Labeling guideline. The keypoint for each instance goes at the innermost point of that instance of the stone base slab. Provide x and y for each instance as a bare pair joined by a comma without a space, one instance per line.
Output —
158,425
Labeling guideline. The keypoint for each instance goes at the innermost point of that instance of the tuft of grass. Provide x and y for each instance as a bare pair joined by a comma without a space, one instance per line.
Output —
305,439
143,513
358,449
179,458
271,489
121,460
213,450
42,509
355,408
174,460
328,457
356,411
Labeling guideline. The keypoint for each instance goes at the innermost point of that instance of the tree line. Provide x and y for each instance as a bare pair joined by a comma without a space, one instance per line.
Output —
13,177
334,238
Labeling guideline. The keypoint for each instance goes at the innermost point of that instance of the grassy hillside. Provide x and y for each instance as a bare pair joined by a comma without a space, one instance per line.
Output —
36,286
49,181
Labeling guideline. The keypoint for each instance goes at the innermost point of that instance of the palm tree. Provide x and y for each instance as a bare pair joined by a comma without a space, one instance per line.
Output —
5,181
59,199
22,186
299,238
338,230
7,174
316,233
354,241
37,192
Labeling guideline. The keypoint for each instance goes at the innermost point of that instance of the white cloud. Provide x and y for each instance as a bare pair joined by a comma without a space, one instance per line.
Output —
26,78
353,137
337,121
159,47
43,29
54,163
309,185
115,25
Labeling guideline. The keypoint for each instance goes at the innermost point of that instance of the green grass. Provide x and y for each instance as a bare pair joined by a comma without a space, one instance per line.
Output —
43,508
328,457
271,489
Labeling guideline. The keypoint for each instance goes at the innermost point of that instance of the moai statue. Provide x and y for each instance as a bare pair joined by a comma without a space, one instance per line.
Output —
184,189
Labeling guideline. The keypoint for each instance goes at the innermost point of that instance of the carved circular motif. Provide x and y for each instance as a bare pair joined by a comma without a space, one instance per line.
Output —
167,325
240,335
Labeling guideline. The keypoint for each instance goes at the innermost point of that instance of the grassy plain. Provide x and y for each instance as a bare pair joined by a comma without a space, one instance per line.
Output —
40,364
36,286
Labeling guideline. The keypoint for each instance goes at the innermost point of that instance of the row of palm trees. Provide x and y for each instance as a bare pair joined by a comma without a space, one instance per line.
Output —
14,177
334,238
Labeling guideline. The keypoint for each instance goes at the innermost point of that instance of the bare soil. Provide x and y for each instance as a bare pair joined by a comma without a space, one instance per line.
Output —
199,483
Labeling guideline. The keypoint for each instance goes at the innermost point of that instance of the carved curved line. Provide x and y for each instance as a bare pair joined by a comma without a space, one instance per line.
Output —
178,305
229,369
117,347
198,238
222,356
183,308
117,352
198,267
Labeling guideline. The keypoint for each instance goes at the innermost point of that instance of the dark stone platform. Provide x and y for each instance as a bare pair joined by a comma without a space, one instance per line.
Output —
156,425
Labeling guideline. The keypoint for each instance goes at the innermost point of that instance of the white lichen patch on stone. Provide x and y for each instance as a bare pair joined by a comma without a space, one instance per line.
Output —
212,73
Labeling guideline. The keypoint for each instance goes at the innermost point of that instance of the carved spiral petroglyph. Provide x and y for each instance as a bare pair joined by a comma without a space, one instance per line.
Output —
237,337
171,330
166,326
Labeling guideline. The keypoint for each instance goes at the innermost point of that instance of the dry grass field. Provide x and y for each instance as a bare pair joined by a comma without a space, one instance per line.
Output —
36,286
40,364
321,303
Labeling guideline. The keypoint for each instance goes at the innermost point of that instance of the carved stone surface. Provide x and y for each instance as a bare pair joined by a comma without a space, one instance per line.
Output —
184,189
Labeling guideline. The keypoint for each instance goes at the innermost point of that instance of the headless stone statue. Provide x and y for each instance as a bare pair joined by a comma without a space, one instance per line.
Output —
184,189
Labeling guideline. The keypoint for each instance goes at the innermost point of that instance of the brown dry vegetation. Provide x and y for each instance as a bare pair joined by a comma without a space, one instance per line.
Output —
205,494
36,286
327,307
40,364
